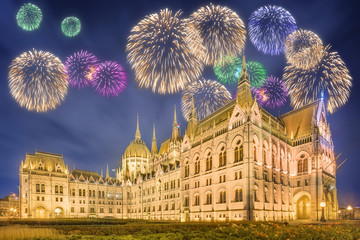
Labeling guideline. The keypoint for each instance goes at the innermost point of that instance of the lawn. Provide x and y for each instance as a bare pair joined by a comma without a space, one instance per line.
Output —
138,229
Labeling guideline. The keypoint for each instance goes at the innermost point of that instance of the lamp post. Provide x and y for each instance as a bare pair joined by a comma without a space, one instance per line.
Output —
322,205
349,208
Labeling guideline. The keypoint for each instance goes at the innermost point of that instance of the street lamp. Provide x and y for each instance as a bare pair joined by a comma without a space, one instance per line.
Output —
349,208
322,205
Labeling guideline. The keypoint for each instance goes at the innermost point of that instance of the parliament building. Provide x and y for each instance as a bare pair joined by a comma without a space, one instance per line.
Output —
238,163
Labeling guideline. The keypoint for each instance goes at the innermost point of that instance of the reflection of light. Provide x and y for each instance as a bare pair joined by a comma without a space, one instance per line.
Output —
308,204
57,210
322,204
14,210
349,208
11,209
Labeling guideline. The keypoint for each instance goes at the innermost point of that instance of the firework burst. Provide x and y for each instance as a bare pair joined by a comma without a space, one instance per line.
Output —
273,94
80,67
268,28
109,79
303,49
71,26
208,96
225,69
29,17
256,72
330,76
222,32
159,52
38,81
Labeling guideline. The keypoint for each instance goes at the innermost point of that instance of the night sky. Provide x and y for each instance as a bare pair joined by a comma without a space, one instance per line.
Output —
91,131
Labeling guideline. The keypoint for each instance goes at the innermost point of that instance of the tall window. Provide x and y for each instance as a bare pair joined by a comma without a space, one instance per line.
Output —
264,156
197,200
238,152
197,165
223,197
222,157
209,162
186,202
238,195
42,187
187,169
80,192
273,160
37,187
84,193
61,189
208,198
303,164
56,189
255,153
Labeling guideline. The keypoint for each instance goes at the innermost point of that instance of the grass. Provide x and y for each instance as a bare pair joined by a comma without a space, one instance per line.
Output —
24,232
106,229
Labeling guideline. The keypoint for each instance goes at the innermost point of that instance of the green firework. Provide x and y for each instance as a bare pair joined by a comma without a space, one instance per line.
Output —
29,17
256,72
71,26
226,68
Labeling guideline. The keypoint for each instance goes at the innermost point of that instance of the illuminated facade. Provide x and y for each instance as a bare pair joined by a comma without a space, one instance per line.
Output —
239,163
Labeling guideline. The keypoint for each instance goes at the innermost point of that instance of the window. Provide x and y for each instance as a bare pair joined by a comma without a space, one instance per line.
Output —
84,193
118,210
166,206
89,193
208,162
197,184
208,182
264,157
222,197
42,187
37,187
238,152
82,209
72,209
255,153
56,189
238,195
72,192
187,186
101,210
208,198
302,165
172,206
306,182
197,200
222,178
273,160
80,192
186,201
222,157
197,166
61,189
110,210
238,175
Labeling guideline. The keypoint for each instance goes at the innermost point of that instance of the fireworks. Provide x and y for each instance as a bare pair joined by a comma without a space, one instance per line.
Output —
226,68
29,17
221,30
81,67
71,26
303,49
256,72
109,79
208,96
159,52
268,28
37,80
330,76
273,94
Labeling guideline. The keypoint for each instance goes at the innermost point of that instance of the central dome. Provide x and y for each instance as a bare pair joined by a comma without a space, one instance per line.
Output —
137,148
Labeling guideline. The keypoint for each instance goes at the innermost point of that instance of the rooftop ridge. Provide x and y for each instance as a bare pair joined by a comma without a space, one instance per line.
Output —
47,153
217,111
300,109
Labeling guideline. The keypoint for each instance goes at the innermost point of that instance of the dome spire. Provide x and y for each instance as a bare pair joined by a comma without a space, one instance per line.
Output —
137,133
175,130
154,145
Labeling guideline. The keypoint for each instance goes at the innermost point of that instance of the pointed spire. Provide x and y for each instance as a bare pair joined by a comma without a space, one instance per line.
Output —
193,112
192,121
137,133
175,130
101,174
107,171
154,145
243,95
243,75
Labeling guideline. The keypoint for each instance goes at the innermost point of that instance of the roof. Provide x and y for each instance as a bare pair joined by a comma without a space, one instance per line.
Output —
298,122
47,161
164,148
137,148
86,174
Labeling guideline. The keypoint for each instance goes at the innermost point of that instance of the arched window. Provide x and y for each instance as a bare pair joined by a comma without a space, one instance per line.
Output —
187,169
90,193
238,195
80,192
255,153
42,187
93,193
264,156
303,164
222,197
238,152
300,164
186,202
72,192
197,200
56,189
61,189
37,187
84,193
209,162
197,166
222,157
208,198
273,160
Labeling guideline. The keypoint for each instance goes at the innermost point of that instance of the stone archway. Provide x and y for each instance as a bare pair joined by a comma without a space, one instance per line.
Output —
40,212
59,212
303,207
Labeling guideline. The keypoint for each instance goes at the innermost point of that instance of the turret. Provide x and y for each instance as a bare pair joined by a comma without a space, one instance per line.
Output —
107,171
192,121
175,129
243,96
154,145
137,133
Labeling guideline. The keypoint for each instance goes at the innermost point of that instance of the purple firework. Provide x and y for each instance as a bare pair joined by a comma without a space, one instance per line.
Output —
274,93
80,67
259,94
109,79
